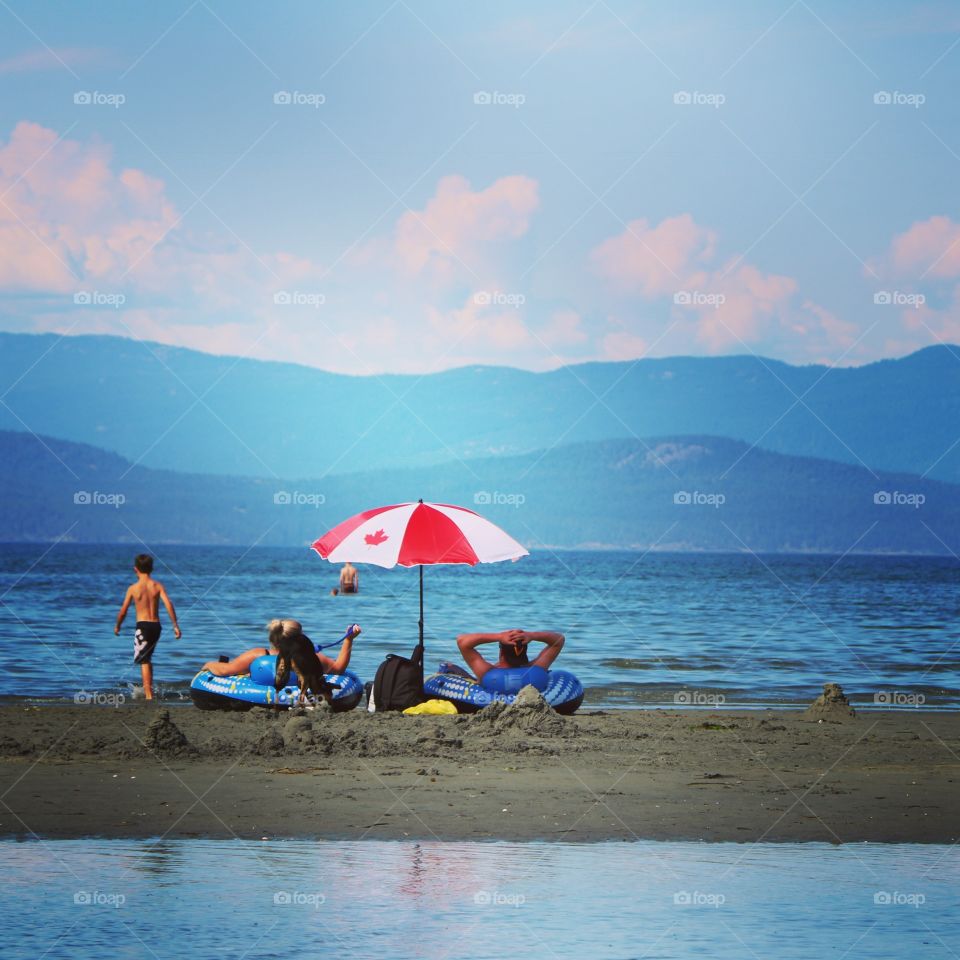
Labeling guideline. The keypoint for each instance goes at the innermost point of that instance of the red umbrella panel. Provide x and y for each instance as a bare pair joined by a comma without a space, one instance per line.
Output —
414,534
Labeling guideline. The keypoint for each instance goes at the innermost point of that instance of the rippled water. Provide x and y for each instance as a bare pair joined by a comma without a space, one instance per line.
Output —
95,898
641,629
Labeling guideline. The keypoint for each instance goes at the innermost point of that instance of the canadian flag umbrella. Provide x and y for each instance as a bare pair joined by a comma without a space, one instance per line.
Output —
415,534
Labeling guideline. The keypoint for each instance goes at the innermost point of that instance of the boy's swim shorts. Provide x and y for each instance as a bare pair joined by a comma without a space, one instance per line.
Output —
144,640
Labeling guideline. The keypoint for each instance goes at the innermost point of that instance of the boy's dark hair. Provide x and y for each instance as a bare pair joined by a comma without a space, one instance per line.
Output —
144,563
509,653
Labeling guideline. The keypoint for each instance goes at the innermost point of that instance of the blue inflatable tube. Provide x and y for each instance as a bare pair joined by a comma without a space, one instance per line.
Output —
255,689
561,689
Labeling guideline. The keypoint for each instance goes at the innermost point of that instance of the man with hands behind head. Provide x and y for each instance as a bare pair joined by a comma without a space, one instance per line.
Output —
512,649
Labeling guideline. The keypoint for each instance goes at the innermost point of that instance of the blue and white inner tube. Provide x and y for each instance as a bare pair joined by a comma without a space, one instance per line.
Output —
561,689
255,689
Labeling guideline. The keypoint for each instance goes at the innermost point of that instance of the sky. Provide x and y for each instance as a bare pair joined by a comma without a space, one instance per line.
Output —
409,186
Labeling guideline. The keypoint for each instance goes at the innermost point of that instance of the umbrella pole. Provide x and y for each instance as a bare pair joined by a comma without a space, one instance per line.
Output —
421,623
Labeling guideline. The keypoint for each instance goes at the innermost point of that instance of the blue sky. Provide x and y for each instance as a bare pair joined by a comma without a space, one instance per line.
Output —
635,180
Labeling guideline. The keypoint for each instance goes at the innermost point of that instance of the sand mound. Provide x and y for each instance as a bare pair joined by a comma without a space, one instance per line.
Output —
528,714
831,706
298,733
165,738
270,744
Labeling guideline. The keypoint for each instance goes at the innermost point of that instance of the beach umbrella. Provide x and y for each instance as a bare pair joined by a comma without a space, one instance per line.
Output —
417,534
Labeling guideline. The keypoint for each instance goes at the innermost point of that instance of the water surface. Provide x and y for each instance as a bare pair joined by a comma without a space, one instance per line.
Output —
95,898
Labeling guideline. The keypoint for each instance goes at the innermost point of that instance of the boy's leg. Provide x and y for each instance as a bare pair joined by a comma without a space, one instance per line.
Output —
146,672
145,639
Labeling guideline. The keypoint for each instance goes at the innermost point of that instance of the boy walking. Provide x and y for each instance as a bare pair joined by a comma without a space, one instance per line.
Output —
146,595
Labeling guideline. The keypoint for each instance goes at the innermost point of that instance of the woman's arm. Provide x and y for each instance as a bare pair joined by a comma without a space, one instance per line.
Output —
343,658
236,666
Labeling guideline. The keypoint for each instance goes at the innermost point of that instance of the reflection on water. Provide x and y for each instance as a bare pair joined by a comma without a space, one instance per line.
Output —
93,898
640,628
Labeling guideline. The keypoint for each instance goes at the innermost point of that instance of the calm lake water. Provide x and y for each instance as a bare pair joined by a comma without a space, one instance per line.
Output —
372,899
655,629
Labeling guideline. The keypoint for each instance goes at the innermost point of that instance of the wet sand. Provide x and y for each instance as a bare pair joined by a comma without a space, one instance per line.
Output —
521,773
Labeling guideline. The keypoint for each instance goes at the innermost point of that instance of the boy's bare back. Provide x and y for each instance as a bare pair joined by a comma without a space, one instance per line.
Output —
146,594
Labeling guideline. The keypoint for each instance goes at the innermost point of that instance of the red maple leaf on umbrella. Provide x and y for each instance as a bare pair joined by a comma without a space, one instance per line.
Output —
375,539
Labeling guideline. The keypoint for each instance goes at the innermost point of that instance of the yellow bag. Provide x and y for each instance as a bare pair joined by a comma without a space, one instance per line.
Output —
431,708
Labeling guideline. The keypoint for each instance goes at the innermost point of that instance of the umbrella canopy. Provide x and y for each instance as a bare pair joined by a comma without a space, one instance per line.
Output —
408,534
414,534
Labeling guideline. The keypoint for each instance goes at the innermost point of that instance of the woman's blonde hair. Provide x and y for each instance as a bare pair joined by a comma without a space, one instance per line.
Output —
282,628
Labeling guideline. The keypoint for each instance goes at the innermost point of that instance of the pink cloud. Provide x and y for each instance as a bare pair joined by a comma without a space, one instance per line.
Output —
654,261
621,345
457,223
930,247
819,326
479,322
70,220
66,217
722,306
923,262
745,301
563,329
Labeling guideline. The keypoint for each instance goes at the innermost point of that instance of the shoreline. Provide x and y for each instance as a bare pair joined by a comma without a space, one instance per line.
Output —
863,707
522,773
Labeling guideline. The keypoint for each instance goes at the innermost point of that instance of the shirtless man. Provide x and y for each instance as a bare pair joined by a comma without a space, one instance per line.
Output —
349,579
146,595
513,649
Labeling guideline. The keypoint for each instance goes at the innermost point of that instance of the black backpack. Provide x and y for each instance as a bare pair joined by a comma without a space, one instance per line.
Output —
398,683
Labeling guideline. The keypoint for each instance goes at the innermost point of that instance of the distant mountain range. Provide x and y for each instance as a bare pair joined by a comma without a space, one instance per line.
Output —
165,407
668,493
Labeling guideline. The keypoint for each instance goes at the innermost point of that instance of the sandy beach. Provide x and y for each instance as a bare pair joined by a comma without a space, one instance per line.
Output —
520,773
